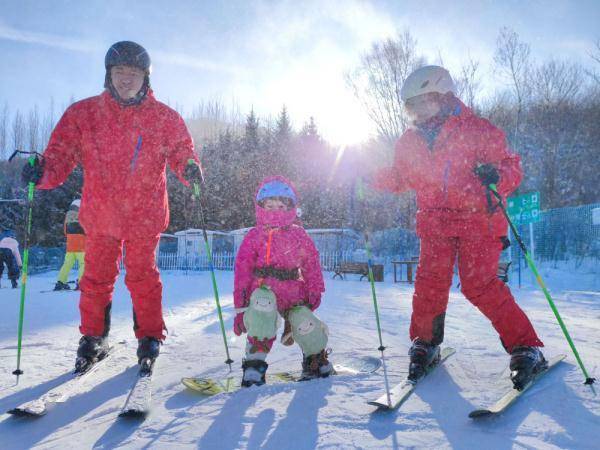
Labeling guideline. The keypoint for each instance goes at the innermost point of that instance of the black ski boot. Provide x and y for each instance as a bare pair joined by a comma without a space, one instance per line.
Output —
255,371
525,363
60,286
316,366
91,350
147,352
422,355
14,283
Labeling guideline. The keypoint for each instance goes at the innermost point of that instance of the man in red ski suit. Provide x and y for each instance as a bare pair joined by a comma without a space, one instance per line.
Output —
449,157
123,139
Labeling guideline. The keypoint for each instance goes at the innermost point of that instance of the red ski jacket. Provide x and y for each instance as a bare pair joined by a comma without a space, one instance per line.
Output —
123,152
451,200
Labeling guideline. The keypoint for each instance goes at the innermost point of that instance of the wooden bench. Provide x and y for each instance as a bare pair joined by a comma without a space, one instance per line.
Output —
359,268
409,270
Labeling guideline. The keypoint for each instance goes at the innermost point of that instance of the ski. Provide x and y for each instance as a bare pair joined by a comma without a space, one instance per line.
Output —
402,391
511,396
138,401
76,384
213,386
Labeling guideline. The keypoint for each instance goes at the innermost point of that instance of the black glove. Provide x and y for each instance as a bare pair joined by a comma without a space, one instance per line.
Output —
33,174
487,173
193,173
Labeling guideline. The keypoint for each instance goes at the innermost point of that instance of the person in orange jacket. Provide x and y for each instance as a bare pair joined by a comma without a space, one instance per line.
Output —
123,139
449,156
75,248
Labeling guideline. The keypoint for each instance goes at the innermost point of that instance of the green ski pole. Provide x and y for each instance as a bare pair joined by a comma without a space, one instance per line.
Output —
31,188
229,361
588,380
381,348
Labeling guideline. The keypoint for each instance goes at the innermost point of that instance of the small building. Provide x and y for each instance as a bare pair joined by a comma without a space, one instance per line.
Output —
191,242
238,236
167,243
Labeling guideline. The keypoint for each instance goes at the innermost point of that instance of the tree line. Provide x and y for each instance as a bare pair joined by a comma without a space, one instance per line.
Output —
548,109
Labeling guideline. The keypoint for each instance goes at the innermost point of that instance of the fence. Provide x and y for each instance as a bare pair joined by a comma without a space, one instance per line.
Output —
566,234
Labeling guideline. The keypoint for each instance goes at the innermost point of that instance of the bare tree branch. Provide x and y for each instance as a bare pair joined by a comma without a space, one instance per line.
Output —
377,81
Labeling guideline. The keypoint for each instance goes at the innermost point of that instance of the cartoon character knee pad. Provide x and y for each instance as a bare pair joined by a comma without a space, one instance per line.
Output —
308,331
261,318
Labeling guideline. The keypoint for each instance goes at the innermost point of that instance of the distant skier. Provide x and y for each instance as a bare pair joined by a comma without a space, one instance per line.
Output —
75,247
277,272
123,139
10,256
449,156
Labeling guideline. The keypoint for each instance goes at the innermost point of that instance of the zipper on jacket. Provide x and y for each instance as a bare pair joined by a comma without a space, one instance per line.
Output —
269,241
446,176
136,152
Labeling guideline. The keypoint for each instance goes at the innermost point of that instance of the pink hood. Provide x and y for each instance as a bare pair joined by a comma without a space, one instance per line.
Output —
274,219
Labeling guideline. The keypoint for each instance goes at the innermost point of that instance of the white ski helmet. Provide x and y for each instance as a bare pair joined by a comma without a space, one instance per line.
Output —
427,79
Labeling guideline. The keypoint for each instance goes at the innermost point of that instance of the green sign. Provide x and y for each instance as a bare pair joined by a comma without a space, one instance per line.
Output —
524,208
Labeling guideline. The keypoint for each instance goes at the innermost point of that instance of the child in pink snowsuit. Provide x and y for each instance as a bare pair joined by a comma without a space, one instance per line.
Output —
277,272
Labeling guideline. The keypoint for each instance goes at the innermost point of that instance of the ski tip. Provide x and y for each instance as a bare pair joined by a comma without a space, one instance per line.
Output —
480,413
133,414
18,412
380,406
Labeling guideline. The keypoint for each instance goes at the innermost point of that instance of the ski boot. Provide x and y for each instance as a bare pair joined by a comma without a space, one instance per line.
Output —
91,350
316,366
14,283
525,363
60,286
422,356
76,288
147,352
255,371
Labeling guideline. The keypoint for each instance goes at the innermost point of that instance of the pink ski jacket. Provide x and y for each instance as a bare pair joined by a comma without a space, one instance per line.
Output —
277,243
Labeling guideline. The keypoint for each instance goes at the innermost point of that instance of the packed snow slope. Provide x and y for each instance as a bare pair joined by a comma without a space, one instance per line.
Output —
558,412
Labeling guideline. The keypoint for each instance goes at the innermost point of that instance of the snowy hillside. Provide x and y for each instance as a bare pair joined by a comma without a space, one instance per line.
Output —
558,412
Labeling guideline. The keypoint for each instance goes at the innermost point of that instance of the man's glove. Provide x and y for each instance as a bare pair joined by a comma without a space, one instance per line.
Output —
193,173
487,173
238,324
33,174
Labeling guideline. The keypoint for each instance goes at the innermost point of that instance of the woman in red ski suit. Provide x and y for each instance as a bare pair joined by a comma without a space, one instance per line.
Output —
123,149
455,221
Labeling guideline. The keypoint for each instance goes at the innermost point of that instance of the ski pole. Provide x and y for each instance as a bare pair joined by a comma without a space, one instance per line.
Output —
381,348
196,195
588,380
30,190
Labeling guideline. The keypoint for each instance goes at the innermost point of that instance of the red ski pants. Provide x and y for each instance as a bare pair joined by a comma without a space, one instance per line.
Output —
102,254
477,267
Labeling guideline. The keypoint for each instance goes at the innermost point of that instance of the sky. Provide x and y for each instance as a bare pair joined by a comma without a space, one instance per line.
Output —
266,54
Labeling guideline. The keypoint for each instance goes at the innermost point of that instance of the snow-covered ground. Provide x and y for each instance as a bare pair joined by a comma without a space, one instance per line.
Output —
558,412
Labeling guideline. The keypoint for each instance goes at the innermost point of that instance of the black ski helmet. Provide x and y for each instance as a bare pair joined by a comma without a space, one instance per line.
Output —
127,53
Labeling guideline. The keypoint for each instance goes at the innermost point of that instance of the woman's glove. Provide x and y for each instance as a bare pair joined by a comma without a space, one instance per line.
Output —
487,173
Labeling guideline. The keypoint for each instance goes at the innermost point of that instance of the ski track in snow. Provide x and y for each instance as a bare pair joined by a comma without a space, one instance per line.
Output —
558,412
